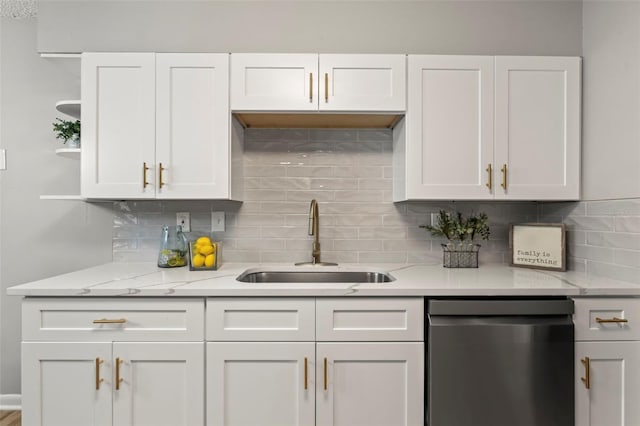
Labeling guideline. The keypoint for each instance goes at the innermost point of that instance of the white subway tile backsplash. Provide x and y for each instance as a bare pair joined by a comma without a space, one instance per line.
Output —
627,224
603,236
355,195
357,245
385,233
349,172
626,257
590,223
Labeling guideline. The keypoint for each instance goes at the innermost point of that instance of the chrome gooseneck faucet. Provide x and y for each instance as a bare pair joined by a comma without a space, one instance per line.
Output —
314,229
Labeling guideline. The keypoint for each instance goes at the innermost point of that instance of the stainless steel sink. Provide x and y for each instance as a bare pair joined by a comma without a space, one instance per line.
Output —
250,276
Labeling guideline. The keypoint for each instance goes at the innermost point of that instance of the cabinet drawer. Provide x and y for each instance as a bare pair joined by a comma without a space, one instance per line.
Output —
607,319
112,319
370,319
260,319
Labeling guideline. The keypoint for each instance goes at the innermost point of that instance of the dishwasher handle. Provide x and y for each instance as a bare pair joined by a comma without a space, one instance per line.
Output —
497,307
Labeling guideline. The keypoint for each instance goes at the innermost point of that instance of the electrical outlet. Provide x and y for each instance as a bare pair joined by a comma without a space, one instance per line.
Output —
434,219
184,219
217,221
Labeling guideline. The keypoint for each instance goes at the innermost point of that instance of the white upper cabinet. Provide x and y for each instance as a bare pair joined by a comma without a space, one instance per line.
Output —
312,82
537,129
484,127
155,126
192,125
450,126
118,125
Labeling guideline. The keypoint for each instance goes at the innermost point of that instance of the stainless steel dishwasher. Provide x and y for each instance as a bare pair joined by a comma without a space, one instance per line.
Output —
500,362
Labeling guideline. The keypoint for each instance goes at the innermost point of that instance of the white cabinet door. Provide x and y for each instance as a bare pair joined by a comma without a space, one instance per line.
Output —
614,383
265,383
62,384
370,384
449,127
312,82
362,82
274,82
160,384
537,139
192,125
118,125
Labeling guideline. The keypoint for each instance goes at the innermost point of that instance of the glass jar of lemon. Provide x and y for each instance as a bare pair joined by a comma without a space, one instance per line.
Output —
204,254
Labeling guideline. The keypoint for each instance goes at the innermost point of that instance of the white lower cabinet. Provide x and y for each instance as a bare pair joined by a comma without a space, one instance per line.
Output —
61,384
369,384
376,378
125,384
303,383
260,383
607,361
108,361
612,394
262,362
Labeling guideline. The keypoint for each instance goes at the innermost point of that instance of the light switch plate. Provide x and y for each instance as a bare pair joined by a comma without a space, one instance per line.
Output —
217,222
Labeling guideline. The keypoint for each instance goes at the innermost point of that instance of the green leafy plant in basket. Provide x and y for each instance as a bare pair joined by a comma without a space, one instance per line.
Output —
460,230
67,130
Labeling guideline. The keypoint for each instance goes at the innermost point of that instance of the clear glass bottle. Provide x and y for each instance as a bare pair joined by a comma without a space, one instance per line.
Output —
173,247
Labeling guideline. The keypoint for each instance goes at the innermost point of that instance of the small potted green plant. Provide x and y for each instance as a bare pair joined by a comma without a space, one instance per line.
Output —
68,131
460,231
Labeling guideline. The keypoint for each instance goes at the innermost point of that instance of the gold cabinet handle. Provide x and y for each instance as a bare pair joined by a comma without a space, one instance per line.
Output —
118,379
504,176
611,320
325,374
326,87
306,374
98,379
587,372
310,87
490,176
160,170
110,321
144,175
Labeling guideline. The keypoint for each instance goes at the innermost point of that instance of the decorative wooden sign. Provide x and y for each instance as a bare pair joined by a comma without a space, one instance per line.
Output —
538,246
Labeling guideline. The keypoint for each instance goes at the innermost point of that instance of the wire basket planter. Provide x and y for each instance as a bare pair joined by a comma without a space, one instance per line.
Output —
460,255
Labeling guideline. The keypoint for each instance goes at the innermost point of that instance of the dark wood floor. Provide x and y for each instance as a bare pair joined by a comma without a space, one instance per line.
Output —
10,418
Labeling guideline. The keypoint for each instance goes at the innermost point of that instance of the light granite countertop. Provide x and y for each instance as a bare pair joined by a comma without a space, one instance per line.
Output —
146,279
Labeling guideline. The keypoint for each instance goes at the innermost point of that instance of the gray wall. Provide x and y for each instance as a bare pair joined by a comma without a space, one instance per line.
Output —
611,99
38,238
456,27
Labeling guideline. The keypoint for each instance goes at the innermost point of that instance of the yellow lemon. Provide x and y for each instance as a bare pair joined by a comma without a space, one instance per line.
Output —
203,241
206,250
197,261
210,260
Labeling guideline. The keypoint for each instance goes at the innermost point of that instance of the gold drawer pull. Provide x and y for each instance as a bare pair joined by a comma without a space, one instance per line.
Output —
611,320
144,175
490,176
98,379
306,375
160,170
325,374
118,379
310,87
587,372
110,321
504,176
326,87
